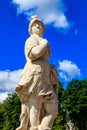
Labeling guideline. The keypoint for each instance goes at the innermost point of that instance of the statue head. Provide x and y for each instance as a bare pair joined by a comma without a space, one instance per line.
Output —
35,20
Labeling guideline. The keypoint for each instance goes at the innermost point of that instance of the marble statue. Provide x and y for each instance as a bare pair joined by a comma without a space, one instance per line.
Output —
37,89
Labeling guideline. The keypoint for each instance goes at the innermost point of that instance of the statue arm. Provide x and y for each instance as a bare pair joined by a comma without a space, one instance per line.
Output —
39,50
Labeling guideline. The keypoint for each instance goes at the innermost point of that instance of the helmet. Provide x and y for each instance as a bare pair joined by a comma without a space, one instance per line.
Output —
32,21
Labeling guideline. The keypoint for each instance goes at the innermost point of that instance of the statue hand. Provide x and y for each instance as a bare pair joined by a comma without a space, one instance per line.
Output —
44,41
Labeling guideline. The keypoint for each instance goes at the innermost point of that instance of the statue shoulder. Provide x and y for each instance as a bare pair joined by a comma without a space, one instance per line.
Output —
31,40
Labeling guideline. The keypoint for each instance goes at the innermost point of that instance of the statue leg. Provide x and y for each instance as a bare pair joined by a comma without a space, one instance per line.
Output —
24,118
35,108
51,109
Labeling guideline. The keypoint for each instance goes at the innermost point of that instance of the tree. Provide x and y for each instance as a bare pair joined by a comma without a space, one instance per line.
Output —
1,117
10,112
74,101
60,120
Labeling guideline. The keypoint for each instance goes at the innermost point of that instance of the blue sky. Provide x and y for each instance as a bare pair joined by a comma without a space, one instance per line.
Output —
66,31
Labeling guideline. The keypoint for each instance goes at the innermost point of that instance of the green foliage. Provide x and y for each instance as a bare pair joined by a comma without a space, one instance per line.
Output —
60,120
10,111
74,101
58,123
1,117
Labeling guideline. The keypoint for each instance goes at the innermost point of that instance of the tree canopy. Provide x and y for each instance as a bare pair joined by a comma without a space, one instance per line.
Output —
10,112
74,101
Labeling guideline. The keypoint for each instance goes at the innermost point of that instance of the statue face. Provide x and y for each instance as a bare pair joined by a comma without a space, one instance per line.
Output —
37,28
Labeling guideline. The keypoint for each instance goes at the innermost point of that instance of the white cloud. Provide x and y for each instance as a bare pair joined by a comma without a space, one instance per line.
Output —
64,76
50,11
3,96
9,80
68,70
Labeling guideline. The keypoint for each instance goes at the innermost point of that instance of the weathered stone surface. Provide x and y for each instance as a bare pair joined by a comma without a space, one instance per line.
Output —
37,88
